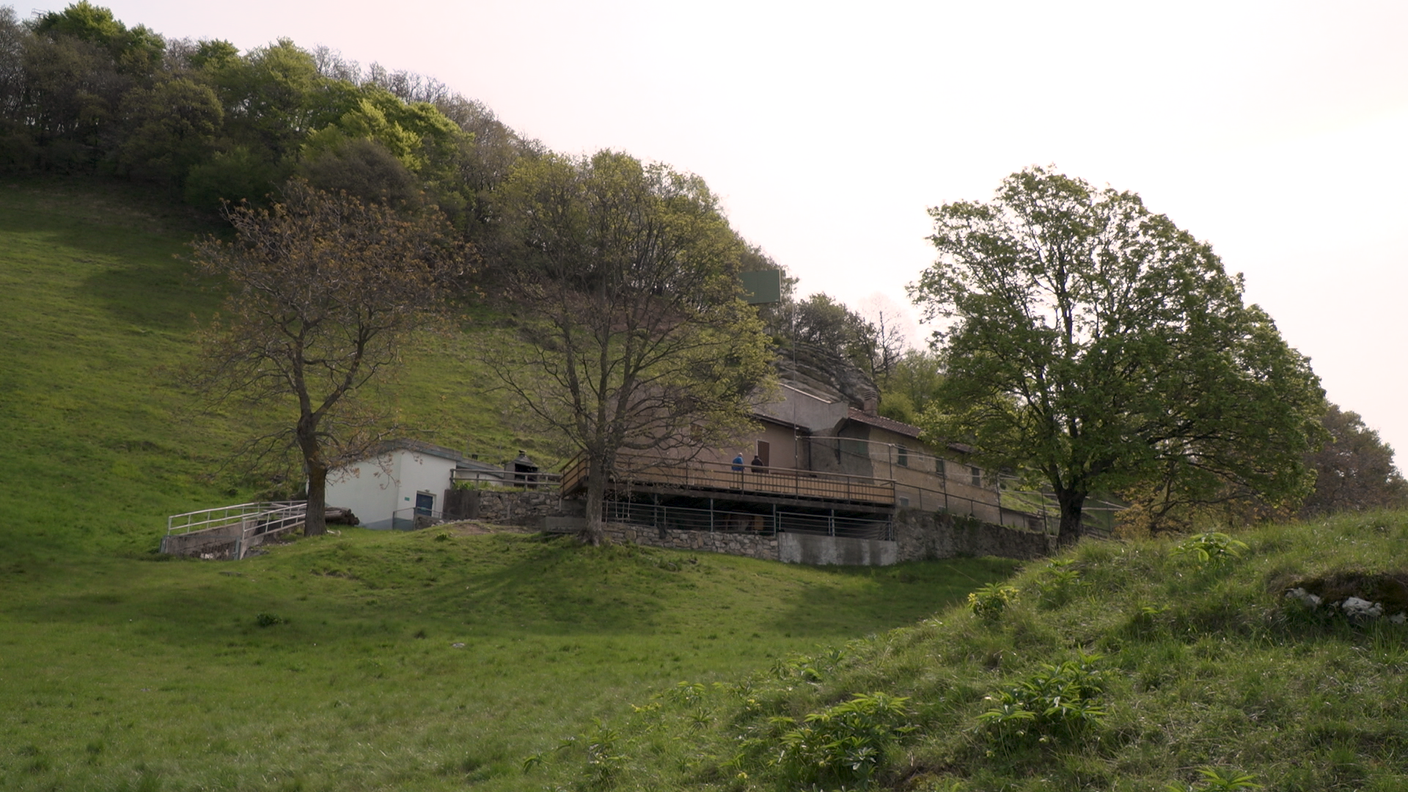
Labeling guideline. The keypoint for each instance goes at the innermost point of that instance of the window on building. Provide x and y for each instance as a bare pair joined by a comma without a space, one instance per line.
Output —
977,474
902,456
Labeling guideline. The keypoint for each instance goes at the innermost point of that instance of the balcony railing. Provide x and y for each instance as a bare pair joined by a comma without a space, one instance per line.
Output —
724,477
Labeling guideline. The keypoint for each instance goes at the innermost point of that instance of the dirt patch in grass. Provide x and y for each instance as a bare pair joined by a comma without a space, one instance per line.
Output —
1389,589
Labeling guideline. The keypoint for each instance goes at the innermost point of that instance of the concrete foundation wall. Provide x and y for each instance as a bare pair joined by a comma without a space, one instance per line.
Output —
221,543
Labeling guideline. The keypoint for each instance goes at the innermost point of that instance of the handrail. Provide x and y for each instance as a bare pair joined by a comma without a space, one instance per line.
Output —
722,476
507,478
244,524
227,515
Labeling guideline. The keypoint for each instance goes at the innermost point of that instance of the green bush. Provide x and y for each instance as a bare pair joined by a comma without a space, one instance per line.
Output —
1210,547
845,743
991,600
1058,701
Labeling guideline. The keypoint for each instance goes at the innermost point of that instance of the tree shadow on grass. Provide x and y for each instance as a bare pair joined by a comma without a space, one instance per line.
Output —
126,251
863,600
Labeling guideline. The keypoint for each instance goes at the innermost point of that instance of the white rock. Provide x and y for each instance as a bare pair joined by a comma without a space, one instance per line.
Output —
1355,606
1399,618
1304,596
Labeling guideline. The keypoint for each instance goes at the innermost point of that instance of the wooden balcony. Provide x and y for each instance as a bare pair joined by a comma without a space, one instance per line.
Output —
641,474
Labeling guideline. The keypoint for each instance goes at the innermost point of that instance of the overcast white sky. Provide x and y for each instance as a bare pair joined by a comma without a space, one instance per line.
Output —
1277,131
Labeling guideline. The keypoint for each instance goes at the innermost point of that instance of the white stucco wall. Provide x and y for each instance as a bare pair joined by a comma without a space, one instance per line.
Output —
375,492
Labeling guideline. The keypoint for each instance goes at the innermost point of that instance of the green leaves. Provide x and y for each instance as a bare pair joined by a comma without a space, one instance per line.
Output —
989,601
1210,547
1057,701
846,742
1096,342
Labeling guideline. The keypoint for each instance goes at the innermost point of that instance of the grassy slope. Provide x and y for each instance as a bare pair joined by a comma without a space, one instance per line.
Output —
1204,667
96,304
118,670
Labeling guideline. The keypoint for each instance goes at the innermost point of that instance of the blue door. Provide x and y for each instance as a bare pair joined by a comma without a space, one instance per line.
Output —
425,503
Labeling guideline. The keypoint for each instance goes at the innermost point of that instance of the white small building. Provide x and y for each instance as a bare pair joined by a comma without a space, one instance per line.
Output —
408,478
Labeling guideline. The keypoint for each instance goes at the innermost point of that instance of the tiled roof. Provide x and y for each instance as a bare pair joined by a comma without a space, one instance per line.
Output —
881,422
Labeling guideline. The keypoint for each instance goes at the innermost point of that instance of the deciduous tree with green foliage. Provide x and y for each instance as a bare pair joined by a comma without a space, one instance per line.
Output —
1354,470
1098,346
323,290
637,335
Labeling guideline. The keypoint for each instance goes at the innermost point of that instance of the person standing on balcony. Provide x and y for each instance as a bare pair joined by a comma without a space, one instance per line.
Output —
738,468
758,466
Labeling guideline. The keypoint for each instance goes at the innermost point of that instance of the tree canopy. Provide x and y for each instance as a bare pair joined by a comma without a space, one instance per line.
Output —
636,334
1099,347
1354,469
81,92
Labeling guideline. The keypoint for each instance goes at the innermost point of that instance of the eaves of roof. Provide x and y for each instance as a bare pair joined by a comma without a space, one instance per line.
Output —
880,422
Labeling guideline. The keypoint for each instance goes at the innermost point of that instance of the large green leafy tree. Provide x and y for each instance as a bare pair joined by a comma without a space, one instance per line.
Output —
637,337
1094,343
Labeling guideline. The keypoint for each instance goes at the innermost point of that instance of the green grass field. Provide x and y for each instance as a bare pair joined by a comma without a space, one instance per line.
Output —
333,663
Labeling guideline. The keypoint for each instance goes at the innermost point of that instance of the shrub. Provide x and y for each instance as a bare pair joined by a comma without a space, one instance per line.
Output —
1210,547
1057,701
991,600
845,743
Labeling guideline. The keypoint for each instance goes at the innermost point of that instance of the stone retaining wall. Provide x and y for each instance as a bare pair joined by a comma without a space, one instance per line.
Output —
738,544
506,507
933,535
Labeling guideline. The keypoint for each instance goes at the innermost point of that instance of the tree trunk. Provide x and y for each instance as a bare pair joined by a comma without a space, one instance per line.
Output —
315,520
595,531
1072,505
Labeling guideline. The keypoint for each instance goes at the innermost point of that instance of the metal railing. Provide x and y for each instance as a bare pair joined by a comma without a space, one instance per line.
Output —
725,477
676,518
538,480
237,526
262,513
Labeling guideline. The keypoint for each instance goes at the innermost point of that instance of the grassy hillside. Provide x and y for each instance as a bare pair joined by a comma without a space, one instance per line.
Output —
1129,666
357,661
97,305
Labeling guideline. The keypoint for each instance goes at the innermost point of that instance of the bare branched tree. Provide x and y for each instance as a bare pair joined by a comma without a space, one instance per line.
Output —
323,291
637,337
